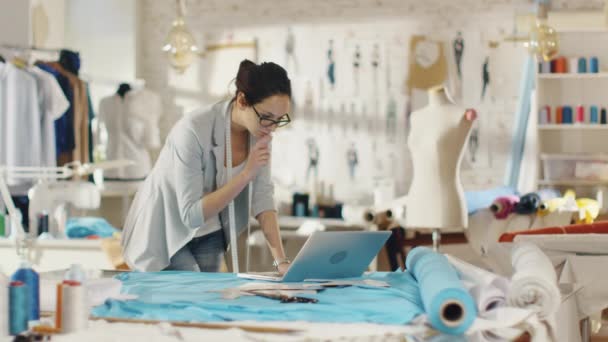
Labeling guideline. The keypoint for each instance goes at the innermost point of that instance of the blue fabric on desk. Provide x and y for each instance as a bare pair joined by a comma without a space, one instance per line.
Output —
483,199
186,296
82,227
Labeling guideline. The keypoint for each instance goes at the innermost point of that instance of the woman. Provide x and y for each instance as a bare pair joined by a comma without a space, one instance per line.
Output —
179,217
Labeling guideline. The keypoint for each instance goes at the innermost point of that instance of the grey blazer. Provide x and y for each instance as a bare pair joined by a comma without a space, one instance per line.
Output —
167,209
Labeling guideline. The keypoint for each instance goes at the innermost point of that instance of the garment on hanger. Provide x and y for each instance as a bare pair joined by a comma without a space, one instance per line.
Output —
53,104
132,125
20,130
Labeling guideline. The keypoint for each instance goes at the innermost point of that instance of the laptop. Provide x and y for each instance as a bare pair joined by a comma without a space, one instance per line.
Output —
330,255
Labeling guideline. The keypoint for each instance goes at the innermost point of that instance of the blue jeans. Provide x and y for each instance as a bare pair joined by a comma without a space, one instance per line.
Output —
201,254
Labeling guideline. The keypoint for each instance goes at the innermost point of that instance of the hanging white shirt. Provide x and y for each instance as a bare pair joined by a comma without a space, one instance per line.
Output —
53,104
20,118
132,125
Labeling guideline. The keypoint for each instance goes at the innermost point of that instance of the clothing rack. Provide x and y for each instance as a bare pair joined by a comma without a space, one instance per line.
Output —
30,48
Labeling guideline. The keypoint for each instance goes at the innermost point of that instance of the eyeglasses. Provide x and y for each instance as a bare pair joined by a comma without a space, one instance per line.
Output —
268,122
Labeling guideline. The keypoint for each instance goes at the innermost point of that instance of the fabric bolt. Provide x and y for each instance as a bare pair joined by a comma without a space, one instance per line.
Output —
132,125
82,227
439,288
20,121
167,209
587,228
196,297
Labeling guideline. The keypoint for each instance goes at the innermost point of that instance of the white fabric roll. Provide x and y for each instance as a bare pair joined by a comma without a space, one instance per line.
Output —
534,282
488,289
3,305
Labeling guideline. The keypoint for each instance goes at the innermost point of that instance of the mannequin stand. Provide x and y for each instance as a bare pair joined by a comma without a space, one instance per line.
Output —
436,239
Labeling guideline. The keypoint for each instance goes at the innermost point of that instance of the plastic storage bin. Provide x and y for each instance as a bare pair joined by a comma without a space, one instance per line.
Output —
575,167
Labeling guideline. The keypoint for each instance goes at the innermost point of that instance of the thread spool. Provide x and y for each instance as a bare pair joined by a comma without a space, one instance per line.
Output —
593,115
59,307
28,276
573,65
580,114
4,299
74,308
582,65
567,115
594,66
603,116
18,307
548,113
553,64
560,65
542,116
559,115
545,67
2,226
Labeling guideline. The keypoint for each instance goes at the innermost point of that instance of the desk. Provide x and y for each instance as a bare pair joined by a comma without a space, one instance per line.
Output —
48,255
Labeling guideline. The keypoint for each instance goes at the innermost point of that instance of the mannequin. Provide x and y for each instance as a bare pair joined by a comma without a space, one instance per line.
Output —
436,141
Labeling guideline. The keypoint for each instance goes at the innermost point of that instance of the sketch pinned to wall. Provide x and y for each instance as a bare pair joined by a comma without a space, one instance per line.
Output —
375,61
331,66
313,158
356,68
458,45
308,102
290,56
428,66
485,75
354,118
391,119
474,144
352,160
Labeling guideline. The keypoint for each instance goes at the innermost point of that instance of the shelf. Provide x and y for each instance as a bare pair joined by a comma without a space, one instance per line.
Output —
575,157
572,127
568,76
584,30
572,182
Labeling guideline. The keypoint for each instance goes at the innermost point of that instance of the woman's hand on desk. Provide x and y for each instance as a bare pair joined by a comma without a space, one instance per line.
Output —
258,157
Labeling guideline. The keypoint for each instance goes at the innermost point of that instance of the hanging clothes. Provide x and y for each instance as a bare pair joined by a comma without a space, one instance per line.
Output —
132,125
20,121
53,104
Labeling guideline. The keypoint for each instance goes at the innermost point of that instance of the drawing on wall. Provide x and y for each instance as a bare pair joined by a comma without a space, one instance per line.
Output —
308,102
485,77
313,158
331,67
356,68
391,119
474,144
354,117
428,67
458,45
290,56
352,160
375,60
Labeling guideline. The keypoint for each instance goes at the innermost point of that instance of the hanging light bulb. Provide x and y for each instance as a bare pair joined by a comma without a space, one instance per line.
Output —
543,41
180,45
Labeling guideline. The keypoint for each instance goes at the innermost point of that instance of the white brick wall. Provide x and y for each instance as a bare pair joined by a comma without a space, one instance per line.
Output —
390,22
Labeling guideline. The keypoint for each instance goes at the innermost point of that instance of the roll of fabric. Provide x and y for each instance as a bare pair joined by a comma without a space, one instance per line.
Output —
504,206
447,303
528,204
534,282
588,228
488,289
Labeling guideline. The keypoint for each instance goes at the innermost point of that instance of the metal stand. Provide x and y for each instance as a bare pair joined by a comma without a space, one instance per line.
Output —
586,329
436,239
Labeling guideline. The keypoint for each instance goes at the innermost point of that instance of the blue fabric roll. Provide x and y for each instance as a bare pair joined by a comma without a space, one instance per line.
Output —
439,286
82,227
194,297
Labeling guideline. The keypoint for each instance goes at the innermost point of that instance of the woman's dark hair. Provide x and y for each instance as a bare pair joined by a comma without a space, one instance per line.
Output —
257,82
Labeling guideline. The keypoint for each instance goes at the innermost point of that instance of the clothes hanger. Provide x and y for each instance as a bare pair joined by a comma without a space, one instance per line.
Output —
123,88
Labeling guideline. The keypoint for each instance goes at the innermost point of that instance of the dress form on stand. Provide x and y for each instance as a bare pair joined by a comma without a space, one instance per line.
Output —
437,140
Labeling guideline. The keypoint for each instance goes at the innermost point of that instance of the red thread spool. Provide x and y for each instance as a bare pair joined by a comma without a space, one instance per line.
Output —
580,114
558,115
561,65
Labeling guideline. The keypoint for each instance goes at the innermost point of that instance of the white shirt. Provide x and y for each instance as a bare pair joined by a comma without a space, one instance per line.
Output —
53,104
20,122
132,125
213,224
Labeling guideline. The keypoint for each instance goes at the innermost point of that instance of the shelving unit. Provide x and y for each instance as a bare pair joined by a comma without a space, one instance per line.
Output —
578,149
